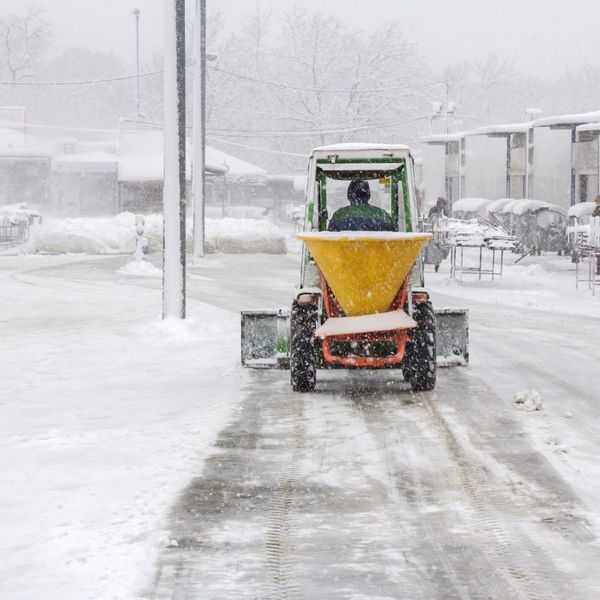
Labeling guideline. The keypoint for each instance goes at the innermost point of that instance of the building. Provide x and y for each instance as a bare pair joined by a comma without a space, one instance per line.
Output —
586,162
24,169
516,159
558,156
230,181
83,179
443,166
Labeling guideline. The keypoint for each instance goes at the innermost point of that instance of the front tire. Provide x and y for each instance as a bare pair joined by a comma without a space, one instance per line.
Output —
303,362
419,366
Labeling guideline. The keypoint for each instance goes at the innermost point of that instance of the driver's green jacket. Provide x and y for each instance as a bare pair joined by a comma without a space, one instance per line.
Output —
361,217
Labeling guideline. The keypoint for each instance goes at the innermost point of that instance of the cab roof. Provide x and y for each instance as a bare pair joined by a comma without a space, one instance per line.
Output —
355,148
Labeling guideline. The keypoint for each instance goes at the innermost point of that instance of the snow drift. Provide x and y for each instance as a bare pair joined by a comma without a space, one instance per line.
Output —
116,235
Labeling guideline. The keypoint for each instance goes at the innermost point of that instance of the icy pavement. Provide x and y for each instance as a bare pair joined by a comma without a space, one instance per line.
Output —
365,490
195,480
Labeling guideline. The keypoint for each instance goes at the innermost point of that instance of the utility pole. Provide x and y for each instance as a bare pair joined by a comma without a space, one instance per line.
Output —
174,187
136,14
446,105
199,132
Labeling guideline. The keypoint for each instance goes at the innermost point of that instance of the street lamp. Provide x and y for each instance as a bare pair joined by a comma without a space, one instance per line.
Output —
136,14
199,131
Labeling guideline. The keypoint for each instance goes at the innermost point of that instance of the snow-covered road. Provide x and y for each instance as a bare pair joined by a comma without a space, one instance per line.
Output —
361,490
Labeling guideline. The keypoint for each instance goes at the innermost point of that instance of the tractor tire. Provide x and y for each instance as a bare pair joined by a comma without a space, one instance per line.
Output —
419,365
303,361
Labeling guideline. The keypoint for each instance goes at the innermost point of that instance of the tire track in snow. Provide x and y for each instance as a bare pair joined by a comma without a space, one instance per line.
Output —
283,579
403,480
524,564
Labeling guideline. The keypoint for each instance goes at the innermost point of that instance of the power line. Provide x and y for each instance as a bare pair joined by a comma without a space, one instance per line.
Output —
278,133
322,90
232,74
220,133
80,82
15,125
267,150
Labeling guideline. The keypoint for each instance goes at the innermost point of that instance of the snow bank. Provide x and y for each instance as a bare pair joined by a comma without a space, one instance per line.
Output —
116,235
107,413
543,283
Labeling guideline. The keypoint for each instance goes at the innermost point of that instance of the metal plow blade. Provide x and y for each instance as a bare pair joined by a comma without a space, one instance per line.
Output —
452,336
265,339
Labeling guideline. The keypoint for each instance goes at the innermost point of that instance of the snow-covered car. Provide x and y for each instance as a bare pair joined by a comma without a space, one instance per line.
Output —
578,227
538,225
470,208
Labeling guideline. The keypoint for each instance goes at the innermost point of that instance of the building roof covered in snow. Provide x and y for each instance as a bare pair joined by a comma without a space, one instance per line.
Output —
444,138
93,157
595,127
140,158
503,130
217,160
567,121
14,143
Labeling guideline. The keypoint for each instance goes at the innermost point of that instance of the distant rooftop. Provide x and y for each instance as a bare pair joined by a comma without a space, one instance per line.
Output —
565,121
588,127
444,138
503,129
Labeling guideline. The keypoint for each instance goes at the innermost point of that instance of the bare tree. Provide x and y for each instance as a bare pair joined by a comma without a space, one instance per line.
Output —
23,40
307,80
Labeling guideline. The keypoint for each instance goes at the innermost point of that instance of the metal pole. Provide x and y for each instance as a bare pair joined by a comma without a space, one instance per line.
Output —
508,183
199,132
446,104
136,13
174,188
572,196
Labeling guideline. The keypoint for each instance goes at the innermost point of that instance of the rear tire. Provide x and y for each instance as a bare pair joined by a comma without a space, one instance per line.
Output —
303,362
419,365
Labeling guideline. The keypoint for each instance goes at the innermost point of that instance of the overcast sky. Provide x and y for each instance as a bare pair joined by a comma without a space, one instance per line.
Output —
543,36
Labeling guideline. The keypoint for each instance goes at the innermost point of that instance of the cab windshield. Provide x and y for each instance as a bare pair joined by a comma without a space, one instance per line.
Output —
387,183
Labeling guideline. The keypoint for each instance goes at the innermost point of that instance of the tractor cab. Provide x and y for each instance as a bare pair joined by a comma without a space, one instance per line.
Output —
388,173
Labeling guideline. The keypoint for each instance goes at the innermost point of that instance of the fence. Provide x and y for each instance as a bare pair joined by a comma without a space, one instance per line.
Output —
14,229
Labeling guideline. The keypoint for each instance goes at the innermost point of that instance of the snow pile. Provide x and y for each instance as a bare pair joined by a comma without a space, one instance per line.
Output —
528,401
116,235
243,236
471,232
139,268
237,212
545,283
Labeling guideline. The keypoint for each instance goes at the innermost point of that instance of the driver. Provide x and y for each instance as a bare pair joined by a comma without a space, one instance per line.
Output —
360,215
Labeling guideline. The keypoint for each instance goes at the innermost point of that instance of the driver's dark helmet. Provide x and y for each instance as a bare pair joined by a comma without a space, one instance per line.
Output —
359,192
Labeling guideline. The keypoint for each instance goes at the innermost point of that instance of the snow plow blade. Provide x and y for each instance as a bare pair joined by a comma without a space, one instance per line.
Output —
452,336
265,339
266,335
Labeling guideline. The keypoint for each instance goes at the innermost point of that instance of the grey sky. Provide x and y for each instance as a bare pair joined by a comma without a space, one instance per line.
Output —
544,36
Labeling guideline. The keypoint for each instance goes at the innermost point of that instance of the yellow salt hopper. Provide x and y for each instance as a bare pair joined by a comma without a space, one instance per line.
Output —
364,270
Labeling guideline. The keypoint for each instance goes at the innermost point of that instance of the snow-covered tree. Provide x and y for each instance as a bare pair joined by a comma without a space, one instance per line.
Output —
23,40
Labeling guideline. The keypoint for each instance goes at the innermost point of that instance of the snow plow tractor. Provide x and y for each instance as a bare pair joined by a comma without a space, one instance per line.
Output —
360,301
